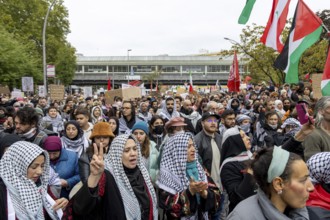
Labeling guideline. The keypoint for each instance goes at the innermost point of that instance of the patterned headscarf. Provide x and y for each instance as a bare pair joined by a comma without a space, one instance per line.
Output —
165,114
76,144
113,163
28,199
172,175
319,168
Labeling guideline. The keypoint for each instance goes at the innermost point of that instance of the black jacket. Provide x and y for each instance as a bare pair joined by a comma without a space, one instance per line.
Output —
87,204
203,144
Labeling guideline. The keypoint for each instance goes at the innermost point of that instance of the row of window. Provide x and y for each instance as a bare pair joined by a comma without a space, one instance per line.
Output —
148,69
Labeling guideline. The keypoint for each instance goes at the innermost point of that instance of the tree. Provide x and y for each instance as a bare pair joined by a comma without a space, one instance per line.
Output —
24,20
15,61
152,76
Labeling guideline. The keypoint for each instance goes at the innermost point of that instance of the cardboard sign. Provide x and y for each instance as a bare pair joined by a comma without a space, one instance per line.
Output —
56,92
125,94
317,78
4,90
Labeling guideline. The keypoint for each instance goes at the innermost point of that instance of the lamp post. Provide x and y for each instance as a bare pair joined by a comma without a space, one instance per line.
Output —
44,46
128,65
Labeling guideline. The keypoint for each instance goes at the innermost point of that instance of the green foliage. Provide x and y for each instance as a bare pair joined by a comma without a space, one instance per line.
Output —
24,21
15,60
260,59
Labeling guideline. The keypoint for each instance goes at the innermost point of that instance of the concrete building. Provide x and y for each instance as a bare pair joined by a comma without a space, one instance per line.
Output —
168,70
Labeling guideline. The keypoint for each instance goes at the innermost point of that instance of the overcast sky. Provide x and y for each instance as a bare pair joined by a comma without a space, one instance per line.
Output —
153,27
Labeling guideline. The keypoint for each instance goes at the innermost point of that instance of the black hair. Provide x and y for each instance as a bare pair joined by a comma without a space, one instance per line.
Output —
260,166
83,111
227,112
132,107
116,132
28,116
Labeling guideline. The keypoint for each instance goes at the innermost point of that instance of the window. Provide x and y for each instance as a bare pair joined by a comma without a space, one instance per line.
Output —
120,69
79,69
193,69
95,69
144,69
170,69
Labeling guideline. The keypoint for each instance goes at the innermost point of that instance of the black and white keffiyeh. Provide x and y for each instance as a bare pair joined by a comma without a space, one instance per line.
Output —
113,163
28,199
165,114
172,175
319,168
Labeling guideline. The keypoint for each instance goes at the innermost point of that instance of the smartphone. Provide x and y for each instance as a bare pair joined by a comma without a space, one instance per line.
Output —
302,113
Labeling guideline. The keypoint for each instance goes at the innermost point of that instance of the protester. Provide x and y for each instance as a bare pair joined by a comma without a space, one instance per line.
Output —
235,172
97,115
24,175
26,126
208,143
118,187
169,110
144,112
186,192
114,125
6,140
102,135
82,117
319,172
52,121
149,151
284,187
64,162
128,118
156,130
319,140
73,138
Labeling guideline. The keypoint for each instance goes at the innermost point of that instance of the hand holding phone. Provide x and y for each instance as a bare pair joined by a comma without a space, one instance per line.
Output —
302,112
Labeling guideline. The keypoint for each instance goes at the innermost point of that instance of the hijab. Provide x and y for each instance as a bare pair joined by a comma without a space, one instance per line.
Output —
319,168
129,183
173,165
78,143
27,197
232,144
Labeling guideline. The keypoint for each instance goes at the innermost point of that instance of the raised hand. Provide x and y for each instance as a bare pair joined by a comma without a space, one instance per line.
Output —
96,166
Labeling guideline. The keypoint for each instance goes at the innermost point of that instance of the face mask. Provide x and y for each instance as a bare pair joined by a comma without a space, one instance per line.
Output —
245,127
286,108
159,129
235,107
248,107
273,126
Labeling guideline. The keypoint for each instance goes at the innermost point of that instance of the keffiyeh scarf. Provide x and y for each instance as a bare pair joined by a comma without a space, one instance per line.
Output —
27,198
319,168
172,175
113,163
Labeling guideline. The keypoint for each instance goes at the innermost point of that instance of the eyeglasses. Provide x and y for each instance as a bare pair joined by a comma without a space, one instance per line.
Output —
212,120
126,108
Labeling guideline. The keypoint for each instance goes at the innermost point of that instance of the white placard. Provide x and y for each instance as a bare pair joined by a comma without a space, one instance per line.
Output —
27,84
50,70
42,92
88,92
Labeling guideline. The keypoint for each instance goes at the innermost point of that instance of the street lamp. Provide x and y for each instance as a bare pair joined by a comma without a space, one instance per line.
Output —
128,65
44,47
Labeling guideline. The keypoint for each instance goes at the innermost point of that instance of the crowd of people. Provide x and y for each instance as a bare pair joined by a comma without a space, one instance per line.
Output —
239,155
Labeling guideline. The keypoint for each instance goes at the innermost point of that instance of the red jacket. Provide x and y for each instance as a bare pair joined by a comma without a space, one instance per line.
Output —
319,197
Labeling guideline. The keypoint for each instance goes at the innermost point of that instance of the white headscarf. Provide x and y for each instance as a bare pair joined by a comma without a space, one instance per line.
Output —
28,199
113,163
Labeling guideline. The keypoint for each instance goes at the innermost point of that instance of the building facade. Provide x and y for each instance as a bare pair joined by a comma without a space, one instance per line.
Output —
167,70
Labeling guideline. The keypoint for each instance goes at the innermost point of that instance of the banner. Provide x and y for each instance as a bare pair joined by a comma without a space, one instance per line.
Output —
88,92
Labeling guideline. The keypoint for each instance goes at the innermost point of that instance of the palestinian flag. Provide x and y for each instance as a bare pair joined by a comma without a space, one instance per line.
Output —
275,25
305,31
245,14
325,83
